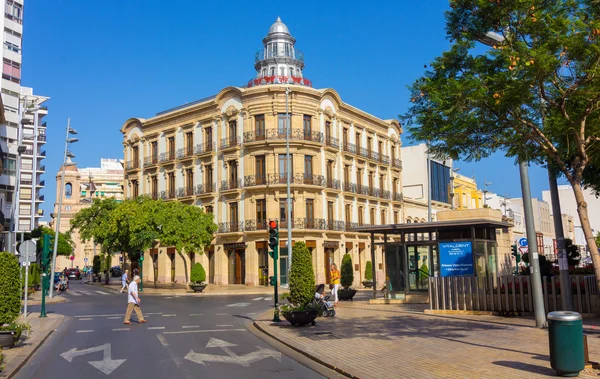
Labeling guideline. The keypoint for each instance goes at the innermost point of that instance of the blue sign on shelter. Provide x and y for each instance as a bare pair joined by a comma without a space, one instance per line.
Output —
456,258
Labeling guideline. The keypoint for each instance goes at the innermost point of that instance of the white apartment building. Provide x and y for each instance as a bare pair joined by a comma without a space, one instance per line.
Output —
544,225
23,132
510,210
568,206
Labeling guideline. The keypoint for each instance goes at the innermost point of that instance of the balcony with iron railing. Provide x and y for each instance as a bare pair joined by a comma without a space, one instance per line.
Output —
185,152
309,179
205,148
151,160
349,148
332,142
294,54
255,180
254,225
167,157
375,192
397,196
397,163
206,188
350,187
363,190
332,183
385,194
305,223
231,227
227,185
132,165
167,195
185,192
279,79
336,226
280,135
231,142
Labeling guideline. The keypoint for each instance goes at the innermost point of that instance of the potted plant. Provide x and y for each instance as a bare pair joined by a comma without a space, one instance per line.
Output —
347,293
10,301
301,310
368,282
197,278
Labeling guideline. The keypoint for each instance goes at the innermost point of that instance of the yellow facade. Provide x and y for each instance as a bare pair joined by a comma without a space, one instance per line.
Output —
466,194
227,155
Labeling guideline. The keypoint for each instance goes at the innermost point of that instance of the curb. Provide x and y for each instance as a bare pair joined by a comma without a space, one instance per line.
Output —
186,293
304,353
33,351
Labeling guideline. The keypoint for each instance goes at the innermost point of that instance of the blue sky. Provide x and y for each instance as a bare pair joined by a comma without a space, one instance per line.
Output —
102,62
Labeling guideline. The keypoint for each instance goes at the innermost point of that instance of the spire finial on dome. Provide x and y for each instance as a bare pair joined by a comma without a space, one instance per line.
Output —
278,19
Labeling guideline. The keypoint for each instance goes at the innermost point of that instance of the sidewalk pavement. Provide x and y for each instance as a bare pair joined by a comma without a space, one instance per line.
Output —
400,341
41,328
36,298
177,289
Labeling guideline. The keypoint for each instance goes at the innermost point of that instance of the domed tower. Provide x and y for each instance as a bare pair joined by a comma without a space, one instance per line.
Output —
279,61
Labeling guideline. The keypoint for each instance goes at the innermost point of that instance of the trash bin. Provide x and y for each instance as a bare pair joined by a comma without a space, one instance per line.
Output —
565,335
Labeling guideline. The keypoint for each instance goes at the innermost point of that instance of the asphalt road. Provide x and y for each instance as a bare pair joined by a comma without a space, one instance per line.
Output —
185,337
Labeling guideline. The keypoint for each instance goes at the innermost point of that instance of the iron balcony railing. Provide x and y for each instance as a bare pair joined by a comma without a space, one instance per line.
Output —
280,135
167,157
151,160
231,227
231,184
229,142
254,225
337,226
185,152
132,165
349,148
255,180
309,179
363,190
167,194
291,54
332,141
397,163
385,194
204,148
205,188
385,159
397,196
332,183
375,192
185,191
350,187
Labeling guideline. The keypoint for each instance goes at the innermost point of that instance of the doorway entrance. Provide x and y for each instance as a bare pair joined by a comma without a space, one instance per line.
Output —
328,262
237,267
211,267
284,265
172,259
394,263
419,263
263,263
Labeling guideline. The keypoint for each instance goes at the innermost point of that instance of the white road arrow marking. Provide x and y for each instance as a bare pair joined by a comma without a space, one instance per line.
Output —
107,365
238,305
231,357
258,298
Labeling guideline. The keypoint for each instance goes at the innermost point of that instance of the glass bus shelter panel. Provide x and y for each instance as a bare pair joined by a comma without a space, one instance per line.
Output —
419,261
394,263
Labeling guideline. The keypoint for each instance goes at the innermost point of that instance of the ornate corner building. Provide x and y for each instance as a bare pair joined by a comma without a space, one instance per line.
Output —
227,154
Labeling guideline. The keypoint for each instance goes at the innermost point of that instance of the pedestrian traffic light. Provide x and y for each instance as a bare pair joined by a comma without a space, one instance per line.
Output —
515,253
46,255
141,256
272,280
273,239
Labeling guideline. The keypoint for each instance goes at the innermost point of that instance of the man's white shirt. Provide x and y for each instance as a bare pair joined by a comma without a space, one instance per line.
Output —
133,288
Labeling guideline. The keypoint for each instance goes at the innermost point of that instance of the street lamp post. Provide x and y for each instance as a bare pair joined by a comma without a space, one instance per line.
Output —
68,154
290,222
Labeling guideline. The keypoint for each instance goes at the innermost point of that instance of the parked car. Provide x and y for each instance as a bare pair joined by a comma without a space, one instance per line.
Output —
74,273
115,271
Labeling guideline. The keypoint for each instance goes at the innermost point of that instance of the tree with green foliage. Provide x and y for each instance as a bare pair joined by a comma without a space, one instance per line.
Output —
198,275
10,291
92,223
65,243
302,276
573,255
96,265
369,271
534,94
187,228
347,271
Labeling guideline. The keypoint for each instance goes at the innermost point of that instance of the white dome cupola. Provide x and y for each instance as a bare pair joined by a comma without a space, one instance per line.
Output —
279,61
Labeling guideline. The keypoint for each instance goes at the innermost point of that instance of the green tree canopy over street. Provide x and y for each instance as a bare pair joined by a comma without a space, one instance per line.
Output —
533,94
65,243
139,224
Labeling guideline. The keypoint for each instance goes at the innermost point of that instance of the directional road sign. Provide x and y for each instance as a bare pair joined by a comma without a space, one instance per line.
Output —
523,242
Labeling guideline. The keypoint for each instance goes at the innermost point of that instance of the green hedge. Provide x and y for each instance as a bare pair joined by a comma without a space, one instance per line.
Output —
302,276
96,265
347,271
369,271
10,293
198,274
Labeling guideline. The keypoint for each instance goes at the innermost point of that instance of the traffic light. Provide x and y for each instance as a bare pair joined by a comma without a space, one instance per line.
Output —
141,256
273,239
515,253
46,259
272,281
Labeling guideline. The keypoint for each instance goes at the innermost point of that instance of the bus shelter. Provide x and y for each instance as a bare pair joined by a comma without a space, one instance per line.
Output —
415,252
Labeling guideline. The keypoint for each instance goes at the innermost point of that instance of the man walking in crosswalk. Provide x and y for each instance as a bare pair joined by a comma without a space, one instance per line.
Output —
124,281
133,302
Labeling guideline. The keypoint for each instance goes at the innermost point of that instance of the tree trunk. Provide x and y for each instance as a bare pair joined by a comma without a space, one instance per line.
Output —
185,267
587,229
108,262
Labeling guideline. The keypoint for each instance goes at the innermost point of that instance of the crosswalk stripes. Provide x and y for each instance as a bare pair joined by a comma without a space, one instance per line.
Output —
102,293
73,293
86,293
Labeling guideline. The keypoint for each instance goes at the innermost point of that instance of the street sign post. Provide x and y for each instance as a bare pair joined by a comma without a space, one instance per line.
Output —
28,255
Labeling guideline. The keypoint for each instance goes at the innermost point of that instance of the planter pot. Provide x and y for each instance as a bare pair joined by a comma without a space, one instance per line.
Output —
7,339
299,318
197,287
367,283
346,294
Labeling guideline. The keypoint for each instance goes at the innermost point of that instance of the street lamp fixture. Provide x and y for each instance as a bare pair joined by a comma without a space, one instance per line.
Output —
69,155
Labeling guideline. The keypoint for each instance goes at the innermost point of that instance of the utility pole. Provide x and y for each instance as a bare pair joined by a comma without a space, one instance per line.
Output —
538,301
566,296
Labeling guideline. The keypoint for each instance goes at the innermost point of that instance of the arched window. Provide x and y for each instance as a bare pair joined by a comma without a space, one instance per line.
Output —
68,190
272,71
